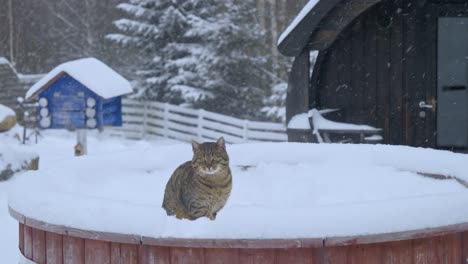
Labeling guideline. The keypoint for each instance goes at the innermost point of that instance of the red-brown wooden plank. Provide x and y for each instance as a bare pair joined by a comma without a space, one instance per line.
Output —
143,254
73,250
158,255
39,246
233,243
449,249
424,251
297,255
28,242
153,254
464,242
21,238
335,254
222,255
97,252
54,248
187,255
115,253
128,254
257,256
364,254
399,252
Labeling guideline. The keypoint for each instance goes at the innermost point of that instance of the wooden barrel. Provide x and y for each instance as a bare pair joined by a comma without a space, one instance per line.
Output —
42,242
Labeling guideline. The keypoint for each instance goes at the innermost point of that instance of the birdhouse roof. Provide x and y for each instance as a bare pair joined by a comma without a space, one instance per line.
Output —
92,73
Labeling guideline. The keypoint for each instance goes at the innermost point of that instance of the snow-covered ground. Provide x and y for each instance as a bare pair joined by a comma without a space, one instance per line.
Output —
280,190
5,111
13,158
300,190
8,229
56,147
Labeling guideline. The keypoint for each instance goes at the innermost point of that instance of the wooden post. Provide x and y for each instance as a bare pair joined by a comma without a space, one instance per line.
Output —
81,147
24,135
297,100
199,124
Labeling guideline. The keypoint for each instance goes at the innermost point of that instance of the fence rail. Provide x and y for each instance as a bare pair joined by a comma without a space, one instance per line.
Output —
143,119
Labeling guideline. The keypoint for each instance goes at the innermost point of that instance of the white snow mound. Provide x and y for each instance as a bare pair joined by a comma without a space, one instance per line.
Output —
280,190
5,111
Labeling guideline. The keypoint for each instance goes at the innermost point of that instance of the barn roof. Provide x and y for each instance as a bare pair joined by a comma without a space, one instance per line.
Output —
92,73
319,23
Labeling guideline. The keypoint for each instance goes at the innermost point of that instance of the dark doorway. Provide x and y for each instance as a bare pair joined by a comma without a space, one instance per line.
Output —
452,82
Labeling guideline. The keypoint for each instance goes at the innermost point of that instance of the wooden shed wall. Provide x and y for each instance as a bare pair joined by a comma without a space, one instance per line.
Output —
377,75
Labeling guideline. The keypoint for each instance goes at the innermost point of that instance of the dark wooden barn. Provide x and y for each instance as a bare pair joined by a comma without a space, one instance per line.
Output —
399,65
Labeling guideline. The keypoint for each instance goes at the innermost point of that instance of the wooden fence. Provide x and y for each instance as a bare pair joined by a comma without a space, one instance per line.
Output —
143,119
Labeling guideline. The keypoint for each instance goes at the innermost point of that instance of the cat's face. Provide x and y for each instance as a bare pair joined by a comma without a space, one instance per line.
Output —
209,158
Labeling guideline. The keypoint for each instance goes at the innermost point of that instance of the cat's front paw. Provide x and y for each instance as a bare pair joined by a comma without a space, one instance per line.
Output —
212,216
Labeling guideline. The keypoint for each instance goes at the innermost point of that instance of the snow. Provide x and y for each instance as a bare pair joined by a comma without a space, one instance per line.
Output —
8,229
374,138
3,60
307,8
5,111
14,156
29,78
300,121
92,73
24,260
300,190
54,147
321,123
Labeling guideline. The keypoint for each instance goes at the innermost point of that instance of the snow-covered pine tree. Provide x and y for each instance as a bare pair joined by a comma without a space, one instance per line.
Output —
275,104
236,63
204,52
157,29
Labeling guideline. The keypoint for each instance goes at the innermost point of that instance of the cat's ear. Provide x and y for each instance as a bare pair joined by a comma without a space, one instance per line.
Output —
220,142
195,145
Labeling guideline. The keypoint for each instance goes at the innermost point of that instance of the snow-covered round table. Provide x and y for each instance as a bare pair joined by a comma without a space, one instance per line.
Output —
291,203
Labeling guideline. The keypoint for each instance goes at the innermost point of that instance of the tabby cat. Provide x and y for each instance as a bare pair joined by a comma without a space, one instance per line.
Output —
200,187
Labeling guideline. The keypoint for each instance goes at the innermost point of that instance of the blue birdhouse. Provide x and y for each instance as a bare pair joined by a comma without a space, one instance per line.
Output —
80,94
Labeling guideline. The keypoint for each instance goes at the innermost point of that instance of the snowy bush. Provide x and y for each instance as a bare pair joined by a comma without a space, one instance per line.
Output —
13,159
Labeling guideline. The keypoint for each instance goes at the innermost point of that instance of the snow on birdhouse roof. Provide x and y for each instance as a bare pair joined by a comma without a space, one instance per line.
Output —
307,8
92,73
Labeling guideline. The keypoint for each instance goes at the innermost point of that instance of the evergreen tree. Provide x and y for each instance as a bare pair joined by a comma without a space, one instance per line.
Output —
234,67
204,52
157,29
275,104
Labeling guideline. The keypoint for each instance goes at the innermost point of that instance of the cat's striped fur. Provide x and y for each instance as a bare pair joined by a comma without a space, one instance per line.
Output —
202,186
